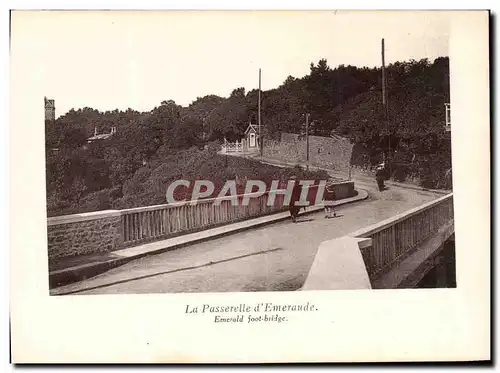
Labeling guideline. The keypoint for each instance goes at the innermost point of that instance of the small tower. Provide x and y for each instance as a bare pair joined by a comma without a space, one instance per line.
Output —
50,109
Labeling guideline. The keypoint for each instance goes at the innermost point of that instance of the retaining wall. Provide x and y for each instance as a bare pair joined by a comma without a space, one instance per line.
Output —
326,152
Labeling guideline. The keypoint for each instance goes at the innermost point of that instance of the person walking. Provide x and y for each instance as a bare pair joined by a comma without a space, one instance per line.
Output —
329,200
380,176
296,191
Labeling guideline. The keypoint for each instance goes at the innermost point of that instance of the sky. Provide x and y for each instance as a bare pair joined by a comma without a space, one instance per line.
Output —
119,59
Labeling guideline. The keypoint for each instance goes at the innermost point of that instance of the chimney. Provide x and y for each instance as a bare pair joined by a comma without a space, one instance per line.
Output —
95,131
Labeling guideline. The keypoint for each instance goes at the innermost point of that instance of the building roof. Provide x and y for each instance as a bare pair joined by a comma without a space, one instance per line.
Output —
252,127
49,102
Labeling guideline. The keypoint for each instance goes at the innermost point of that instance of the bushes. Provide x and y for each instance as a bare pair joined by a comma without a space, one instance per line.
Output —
148,185
194,164
401,172
96,201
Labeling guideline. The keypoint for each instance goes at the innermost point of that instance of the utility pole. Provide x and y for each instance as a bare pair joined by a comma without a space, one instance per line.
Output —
203,130
260,128
225,153
384,103
307,142
383,75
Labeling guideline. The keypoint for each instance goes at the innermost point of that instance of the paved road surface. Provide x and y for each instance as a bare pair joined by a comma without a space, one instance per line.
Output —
276,257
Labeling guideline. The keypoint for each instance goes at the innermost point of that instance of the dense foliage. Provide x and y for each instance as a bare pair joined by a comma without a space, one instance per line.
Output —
151,149
80,181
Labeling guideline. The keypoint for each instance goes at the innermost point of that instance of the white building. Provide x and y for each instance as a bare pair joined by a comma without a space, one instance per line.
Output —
103,136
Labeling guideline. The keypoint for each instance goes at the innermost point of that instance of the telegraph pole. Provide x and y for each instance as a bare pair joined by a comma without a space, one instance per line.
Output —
384,103
260,128
307,142
203,131
383,75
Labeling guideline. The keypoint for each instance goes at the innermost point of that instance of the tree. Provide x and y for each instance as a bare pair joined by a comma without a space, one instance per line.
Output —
153,147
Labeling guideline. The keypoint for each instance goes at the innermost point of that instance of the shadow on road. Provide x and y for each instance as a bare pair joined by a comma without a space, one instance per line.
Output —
333,217
170,271
304,220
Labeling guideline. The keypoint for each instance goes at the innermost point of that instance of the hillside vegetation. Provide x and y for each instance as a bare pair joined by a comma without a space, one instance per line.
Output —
151,149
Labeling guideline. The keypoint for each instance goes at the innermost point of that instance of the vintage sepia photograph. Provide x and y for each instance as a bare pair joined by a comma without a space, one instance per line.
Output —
249,186
172,167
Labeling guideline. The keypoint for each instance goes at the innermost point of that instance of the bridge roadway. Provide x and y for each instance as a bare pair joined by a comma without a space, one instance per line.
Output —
276,257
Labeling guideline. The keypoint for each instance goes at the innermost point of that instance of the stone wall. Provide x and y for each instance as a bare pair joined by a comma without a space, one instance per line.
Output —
327,152
344,190
105,231
83,234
